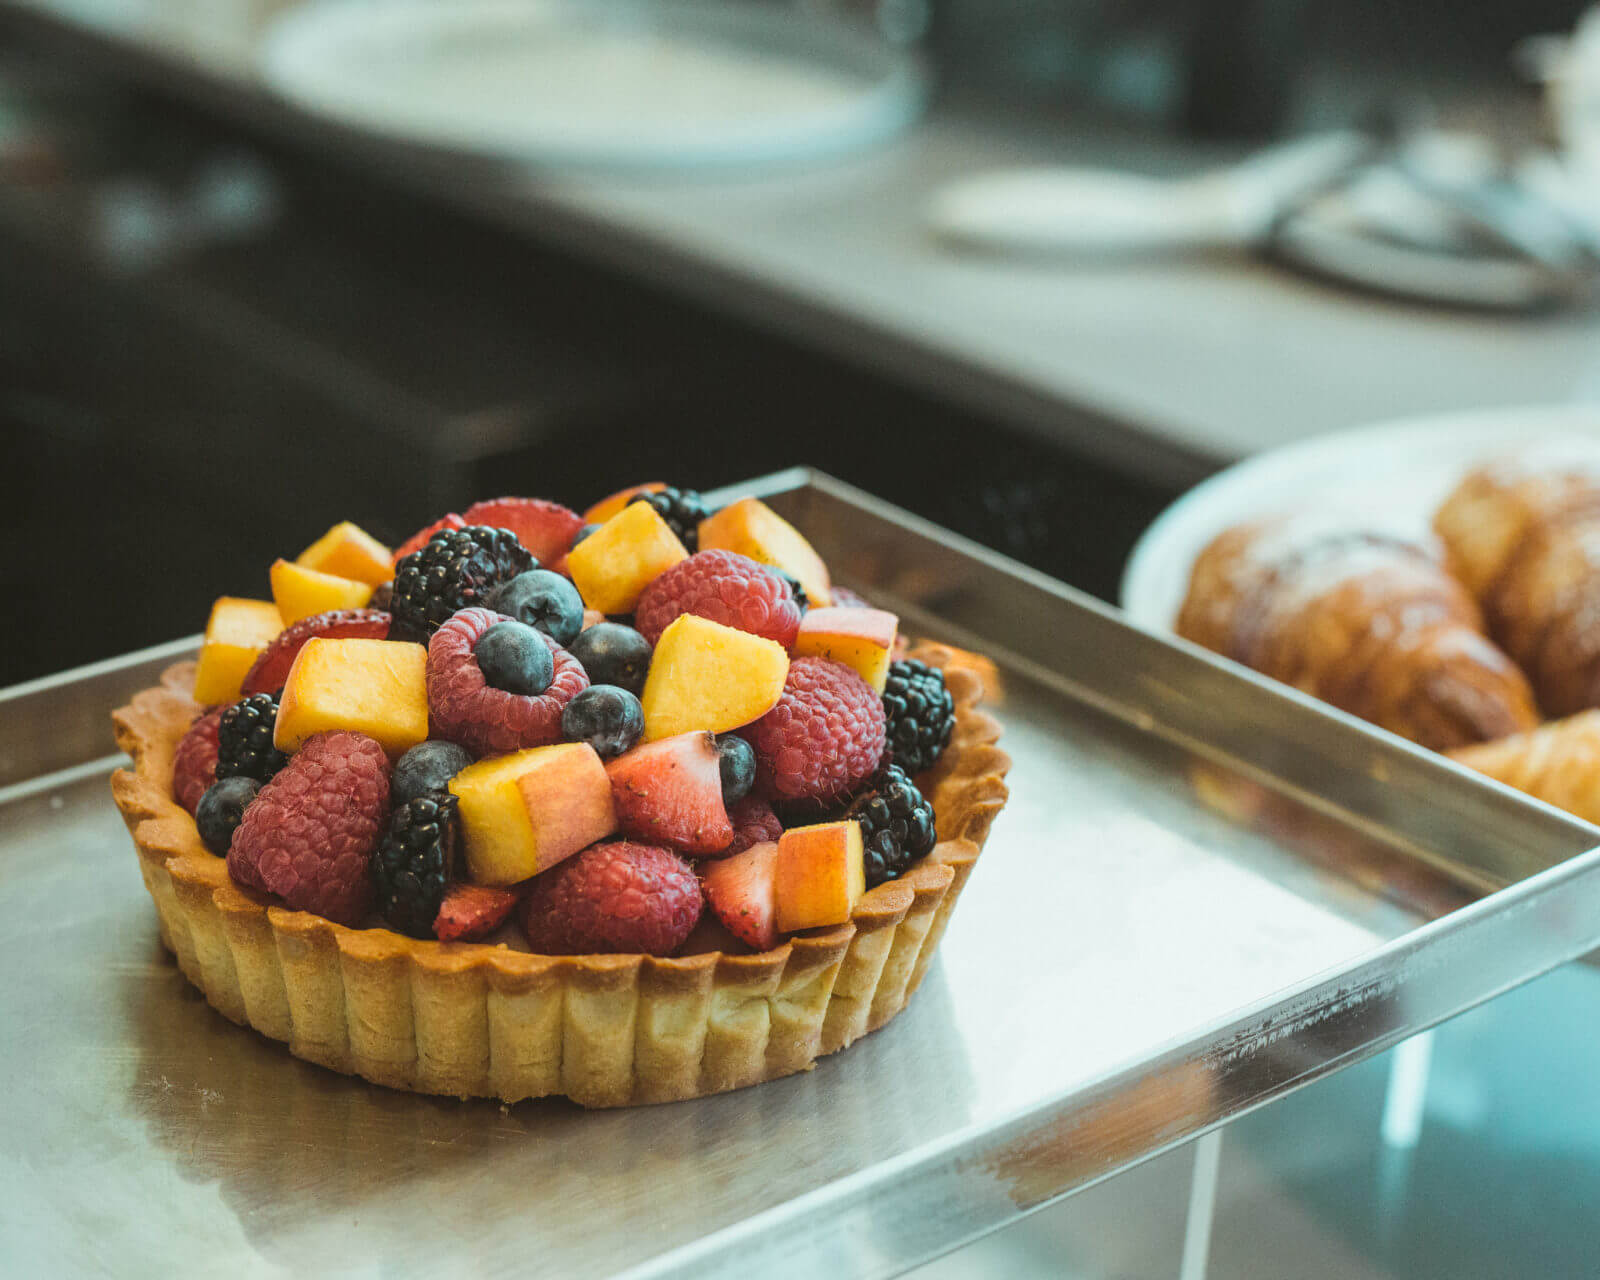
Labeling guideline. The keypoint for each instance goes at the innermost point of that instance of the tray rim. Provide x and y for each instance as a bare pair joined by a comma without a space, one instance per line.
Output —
940,1194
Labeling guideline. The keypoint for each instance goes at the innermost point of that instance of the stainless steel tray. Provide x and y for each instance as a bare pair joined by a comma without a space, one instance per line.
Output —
1206,891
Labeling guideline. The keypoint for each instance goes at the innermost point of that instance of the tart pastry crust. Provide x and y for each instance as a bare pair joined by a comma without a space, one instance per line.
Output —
485,1020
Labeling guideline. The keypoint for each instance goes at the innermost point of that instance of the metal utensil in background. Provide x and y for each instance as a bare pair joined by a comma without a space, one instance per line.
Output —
1444,217
1099,212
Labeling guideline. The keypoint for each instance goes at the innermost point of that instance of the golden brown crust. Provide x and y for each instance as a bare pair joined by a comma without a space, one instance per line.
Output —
482,1020
1495,506
1558,763
1365,621
1524,534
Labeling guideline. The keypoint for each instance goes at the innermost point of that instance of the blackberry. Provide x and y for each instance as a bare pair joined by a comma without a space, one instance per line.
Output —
919,713
412,864
457,568
244,739
682,509
896,825
382,596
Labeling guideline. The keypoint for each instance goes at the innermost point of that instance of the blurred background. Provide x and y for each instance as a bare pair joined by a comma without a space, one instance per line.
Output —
1030,268
262,265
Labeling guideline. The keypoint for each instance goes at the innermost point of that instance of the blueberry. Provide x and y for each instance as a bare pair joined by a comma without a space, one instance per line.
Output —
737,761
425,769
221,810
614,654
514,657
609,719
544,600
584,533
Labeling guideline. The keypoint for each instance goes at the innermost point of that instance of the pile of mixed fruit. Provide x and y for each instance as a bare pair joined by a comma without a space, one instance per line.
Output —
598,724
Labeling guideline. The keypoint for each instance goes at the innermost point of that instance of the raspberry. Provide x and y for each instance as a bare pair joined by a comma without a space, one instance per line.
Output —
309,835
271,669
419,539
194,764
822,739
614,897
753,823
464,708
725,587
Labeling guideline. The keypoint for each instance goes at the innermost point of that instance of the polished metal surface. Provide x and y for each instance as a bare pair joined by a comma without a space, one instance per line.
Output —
1204,892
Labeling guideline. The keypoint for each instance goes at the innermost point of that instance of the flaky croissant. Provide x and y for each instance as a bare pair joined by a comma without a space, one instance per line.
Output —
1558,763
1366,621
1524,534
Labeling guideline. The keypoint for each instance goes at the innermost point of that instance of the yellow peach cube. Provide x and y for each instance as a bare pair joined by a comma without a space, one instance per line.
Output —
613,503
754,529
236,633
375,687
708,676
301,592
349,551
859,638
615,563
821,875
522,813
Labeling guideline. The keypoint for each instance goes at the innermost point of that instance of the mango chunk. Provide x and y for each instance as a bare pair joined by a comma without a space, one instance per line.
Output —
609,505
522,813
754,529
375,687
708,676
236,633
615,563
349,551
301,592
859,638
821,875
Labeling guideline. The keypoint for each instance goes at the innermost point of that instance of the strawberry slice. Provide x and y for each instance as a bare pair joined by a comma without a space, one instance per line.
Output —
544,528
671,791
742,893
271,668
419,539
472,911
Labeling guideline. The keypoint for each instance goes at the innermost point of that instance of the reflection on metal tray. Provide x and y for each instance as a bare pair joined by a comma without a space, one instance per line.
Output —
1204,892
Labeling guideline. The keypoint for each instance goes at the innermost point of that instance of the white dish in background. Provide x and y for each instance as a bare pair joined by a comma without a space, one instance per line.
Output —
1394,473
662,84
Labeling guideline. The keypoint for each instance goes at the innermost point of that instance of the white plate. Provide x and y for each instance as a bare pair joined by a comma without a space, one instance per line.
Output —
633,83
1395,474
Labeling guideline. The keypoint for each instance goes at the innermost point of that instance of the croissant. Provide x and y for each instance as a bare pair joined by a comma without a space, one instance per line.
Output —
1558,763
1367,621
1524,535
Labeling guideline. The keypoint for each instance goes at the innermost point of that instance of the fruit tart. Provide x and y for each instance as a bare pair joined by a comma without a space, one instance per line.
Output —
628,806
